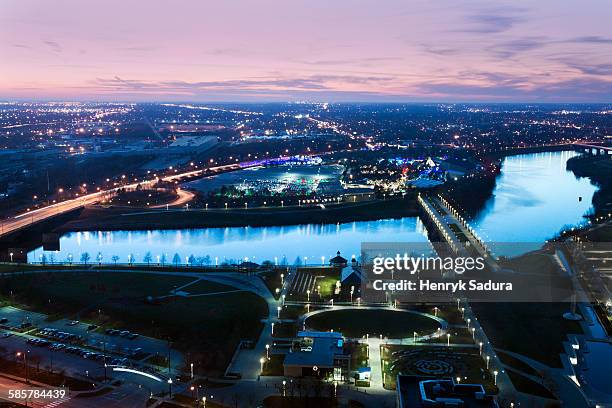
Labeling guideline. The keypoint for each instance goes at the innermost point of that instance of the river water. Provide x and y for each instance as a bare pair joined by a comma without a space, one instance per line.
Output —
533,199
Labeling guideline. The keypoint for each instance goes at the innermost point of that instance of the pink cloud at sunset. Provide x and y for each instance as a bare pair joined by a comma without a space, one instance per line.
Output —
360,50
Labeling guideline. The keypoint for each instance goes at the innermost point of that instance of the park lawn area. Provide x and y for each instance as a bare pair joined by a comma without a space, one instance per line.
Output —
285,330
446,311
359,356
327,284
359,322
459,335
274,366
535,330
293,312
272,279
70,292
205,286
207,327
528,386
517,364
465,363
23,267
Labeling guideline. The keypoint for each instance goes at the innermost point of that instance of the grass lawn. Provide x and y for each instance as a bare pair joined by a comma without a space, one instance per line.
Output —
19,267
285,330
358,322
533,329
459,335
446,311
272,279
208,327
359,356
205,286
528,386
517,364
412,360
293,312
274,366
327,284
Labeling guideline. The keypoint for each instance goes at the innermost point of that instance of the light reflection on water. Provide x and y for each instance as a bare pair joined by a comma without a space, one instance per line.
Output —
310,242
534,198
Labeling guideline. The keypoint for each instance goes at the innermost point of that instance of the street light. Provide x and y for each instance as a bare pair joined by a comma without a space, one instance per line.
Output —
488,360
267,351
25,363
308,294
261,362
480,348
170,387
495,376
448,339
278,309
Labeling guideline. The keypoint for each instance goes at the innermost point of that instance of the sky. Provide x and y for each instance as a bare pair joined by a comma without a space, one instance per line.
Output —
306,50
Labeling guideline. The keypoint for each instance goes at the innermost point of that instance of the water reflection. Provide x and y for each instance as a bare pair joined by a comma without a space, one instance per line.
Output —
534,198
308,242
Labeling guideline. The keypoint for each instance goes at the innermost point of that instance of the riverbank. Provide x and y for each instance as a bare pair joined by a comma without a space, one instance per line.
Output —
121,218
598,169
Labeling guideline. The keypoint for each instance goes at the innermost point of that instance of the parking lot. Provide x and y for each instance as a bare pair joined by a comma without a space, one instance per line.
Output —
77,346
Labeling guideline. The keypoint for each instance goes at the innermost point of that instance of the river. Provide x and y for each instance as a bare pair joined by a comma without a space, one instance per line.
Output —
533,199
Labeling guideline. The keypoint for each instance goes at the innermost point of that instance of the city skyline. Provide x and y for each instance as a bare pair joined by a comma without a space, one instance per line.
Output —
277,51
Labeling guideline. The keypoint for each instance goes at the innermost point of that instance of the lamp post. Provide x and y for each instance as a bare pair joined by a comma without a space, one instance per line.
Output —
267,351
448,339
308,294
25,363
278,309
488,360
480,344
272,332
414,334
436,311
495,376
191,367
170,387
473,333
261,362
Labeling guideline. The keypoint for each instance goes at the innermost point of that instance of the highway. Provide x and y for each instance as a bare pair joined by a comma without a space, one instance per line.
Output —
31,217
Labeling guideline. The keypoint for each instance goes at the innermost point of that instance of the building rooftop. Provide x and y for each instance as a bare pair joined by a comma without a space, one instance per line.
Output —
315,349
421,391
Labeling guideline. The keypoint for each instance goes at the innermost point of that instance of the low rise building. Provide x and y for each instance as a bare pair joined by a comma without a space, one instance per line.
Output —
318,354
420,392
